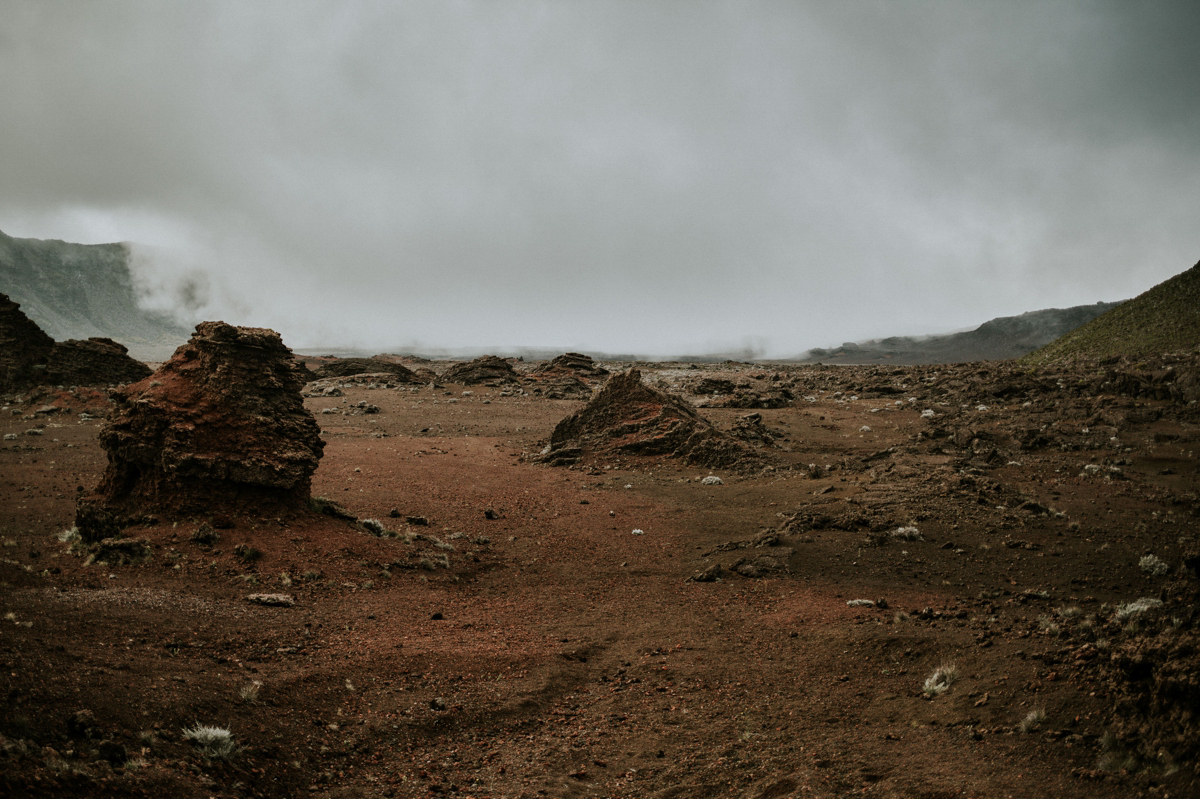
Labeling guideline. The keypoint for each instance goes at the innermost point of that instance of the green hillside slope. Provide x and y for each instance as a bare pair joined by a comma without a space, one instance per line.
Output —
76,291
1165,319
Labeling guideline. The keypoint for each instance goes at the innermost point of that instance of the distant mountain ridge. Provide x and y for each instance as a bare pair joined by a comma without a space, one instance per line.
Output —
998,339
1163,320
77,291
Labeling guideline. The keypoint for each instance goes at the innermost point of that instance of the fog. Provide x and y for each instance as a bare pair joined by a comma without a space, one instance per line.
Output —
660,178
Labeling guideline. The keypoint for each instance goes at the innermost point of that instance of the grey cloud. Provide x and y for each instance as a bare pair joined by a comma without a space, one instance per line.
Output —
654,177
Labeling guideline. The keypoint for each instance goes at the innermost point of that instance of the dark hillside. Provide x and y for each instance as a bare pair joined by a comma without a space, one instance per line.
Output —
80,291
1165,319
999,339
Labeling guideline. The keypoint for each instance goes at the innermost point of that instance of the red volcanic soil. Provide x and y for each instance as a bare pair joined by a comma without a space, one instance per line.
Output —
513,629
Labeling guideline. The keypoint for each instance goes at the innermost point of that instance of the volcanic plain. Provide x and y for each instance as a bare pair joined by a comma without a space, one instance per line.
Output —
920,582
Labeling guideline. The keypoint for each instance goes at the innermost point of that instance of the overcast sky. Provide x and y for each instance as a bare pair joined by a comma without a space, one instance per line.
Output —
655,177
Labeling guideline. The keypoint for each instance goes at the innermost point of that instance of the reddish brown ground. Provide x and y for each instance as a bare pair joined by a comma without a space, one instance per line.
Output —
561,655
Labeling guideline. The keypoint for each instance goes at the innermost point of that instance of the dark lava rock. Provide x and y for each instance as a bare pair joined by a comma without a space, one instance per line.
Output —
345,367
750,428
762,565
29,357
563,387
744,398
221,425
94,362
1154,678
714,385
485,369
113,752
82,724
627,417
569,376
572,364
24,348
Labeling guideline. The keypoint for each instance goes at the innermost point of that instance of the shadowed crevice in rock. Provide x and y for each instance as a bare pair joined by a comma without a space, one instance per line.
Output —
220,426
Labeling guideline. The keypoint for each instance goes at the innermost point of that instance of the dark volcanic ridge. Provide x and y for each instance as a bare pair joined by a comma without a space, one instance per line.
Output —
347,367
999,339
487,369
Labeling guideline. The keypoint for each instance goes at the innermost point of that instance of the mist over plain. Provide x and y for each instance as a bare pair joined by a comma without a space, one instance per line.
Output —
668,178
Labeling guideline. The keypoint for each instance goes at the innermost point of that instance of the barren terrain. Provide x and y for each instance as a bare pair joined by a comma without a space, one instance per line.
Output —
515,629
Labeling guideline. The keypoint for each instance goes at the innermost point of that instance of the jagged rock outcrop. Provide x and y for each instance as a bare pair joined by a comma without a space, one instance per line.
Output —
485,369
29,357
571,375
24,348
220,426
345,367
627,417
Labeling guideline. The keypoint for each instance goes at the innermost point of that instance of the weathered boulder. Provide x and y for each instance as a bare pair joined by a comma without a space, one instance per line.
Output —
24,348
562,387
344,367
221,425
94,362
568,376
29,357
627,417
1152,672
485,369
571,364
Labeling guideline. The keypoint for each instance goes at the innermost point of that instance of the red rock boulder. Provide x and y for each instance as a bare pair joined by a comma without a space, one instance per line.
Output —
220,427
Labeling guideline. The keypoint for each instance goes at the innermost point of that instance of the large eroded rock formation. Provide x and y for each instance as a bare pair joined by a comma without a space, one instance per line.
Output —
220,427
571,375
